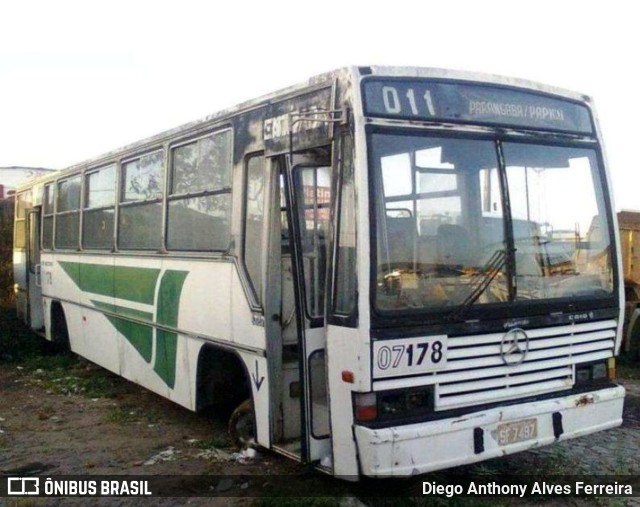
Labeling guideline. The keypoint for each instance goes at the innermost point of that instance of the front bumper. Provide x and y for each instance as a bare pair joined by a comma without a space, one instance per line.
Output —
425,447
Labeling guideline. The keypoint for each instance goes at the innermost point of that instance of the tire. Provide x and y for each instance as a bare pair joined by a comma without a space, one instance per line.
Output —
242,425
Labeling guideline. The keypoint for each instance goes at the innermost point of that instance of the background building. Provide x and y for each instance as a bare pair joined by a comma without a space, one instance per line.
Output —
629,225
11,177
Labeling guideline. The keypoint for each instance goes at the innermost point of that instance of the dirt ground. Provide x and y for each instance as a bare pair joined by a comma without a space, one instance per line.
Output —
61,415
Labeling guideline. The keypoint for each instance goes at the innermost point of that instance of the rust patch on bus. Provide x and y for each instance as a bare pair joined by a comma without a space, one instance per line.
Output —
584,400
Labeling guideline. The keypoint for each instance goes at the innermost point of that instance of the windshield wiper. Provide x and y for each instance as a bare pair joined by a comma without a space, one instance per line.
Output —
480,281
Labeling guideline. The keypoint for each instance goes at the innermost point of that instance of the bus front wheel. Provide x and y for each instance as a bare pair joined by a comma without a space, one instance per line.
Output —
242,425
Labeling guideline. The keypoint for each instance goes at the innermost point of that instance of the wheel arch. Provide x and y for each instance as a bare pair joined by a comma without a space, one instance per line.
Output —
222,378
59,325
632,338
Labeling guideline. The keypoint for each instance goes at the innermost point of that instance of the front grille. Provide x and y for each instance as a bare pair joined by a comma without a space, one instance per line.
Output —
476,374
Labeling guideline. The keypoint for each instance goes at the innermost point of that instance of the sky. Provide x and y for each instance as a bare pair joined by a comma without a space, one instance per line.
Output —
79,78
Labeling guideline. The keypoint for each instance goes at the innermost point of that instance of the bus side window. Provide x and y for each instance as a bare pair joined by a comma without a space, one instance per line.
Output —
23,202
140,213
47,218
67,228
99,208
199,208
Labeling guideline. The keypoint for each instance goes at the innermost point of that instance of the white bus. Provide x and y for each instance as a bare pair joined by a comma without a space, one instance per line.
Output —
389,271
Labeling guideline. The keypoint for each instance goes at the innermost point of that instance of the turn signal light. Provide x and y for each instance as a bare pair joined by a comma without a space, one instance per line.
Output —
611,368
366,407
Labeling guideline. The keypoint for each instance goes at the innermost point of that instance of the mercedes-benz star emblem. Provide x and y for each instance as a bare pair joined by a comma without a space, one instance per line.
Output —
514,346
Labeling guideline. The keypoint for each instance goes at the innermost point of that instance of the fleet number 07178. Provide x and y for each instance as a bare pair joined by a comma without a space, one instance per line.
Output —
409,356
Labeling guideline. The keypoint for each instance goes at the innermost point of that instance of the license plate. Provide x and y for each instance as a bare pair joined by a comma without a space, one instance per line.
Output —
519,431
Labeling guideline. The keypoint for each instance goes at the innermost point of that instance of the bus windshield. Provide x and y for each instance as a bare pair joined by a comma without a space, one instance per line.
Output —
454,227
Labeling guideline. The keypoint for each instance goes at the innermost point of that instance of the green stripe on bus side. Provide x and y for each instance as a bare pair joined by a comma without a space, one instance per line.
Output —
137,285
122,282
139,335
167,314
73,270
124,311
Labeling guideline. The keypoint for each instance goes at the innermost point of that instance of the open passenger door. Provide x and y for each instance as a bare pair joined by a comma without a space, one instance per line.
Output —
306,182
298,134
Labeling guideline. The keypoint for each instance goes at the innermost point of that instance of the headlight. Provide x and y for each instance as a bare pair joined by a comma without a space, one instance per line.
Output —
593,372
393,405
599,371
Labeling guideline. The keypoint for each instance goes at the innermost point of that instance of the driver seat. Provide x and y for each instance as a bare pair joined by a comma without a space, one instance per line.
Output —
454,246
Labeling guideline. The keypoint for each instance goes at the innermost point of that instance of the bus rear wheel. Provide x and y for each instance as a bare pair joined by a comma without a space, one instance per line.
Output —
242,425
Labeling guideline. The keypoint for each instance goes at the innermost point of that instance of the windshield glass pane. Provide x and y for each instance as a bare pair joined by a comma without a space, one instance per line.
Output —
440,224
560,228
440,228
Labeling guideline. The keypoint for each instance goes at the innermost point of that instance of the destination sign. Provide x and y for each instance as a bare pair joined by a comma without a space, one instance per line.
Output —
421,99
299,122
